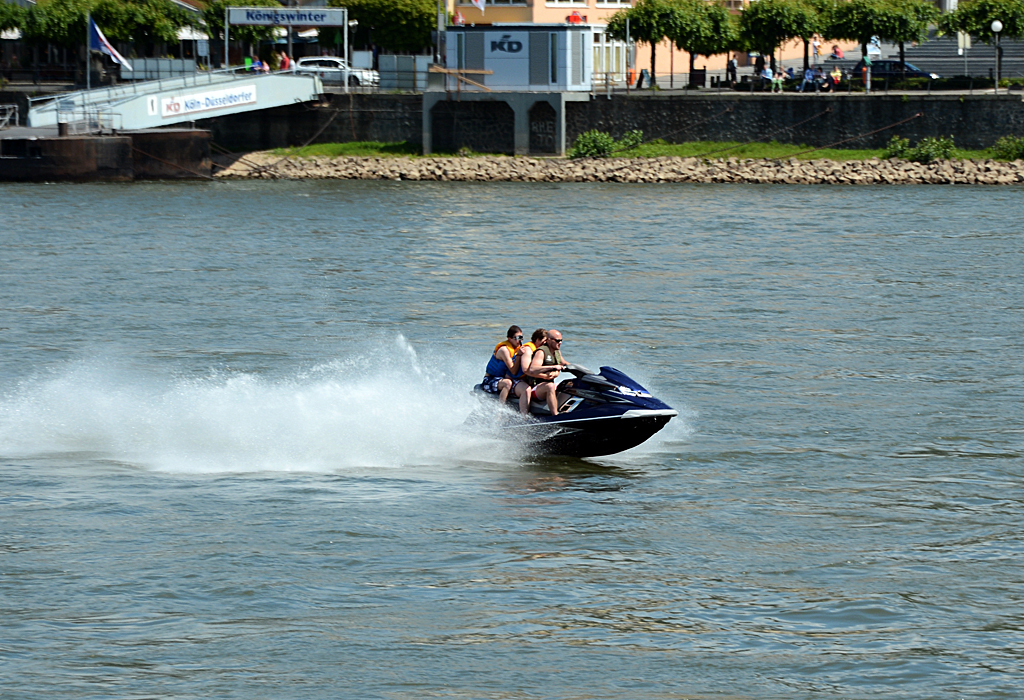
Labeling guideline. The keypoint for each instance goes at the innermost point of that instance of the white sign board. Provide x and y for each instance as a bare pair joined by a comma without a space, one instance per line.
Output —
203,47
287,17
181,105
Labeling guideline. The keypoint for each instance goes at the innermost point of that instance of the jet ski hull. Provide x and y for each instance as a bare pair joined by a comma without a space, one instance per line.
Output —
599,414
592,437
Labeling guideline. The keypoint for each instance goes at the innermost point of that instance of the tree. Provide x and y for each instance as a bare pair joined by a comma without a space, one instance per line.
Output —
650,21
975,17
395,25
60,22
908,21
703,29
213,15
143,22
860,20
11,16
766,24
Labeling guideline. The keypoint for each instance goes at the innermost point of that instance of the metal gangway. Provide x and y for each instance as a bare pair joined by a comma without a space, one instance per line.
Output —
155,103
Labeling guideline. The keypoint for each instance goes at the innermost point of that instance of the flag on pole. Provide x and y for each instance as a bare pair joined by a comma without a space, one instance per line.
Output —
479,4
98,42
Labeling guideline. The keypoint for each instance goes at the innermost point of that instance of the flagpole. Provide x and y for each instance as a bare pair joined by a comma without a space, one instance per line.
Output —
88,68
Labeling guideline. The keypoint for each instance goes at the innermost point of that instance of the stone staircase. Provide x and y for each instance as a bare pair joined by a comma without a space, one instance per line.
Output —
939,55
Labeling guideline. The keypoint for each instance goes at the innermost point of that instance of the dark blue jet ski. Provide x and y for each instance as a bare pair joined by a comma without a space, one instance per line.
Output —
598,414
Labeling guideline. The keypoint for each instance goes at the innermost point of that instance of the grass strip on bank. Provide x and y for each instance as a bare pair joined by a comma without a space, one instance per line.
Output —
655,149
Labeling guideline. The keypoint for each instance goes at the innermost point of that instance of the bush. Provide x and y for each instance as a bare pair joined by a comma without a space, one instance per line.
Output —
600,144
592,144
896,148
631,140
926,151
1009,148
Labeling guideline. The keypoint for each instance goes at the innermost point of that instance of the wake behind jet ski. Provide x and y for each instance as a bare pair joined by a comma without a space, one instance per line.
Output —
598,414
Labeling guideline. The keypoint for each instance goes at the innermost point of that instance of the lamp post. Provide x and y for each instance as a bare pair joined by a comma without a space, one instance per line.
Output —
997,27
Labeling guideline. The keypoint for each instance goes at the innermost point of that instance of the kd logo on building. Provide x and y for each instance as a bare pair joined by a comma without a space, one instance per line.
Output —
506,44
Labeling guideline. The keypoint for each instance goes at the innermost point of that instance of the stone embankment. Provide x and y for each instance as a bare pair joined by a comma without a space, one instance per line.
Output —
508,169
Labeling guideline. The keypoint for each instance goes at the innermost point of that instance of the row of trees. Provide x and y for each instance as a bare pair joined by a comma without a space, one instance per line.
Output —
397,25
698,27
705,29
142,22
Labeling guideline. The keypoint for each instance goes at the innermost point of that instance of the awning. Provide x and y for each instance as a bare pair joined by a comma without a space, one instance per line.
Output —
10,34
190,34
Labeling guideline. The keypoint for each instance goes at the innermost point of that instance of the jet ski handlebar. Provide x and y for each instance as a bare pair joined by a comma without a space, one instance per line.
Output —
579,370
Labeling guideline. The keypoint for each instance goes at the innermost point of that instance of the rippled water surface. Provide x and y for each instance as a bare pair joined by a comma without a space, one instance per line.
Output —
232,462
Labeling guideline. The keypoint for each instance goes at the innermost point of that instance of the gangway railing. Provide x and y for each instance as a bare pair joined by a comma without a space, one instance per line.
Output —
89,121
8,114
143,87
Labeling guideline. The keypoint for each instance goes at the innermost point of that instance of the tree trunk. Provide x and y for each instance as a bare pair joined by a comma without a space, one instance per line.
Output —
654,80
807,63
903,63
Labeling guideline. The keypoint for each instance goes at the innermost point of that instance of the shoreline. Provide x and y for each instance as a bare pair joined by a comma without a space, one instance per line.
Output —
263,165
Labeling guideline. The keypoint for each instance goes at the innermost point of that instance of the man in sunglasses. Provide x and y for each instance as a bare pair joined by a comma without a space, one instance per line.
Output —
545,366
503,364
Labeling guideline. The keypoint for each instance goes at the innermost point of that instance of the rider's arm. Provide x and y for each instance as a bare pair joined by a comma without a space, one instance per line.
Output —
505,356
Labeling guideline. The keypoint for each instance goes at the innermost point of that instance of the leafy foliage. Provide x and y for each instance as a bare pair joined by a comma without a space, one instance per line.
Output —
395,25
766,24
213,15
650,21
600,144
11,16
142,21
62,22
1009,148
703,28
926,151
975,17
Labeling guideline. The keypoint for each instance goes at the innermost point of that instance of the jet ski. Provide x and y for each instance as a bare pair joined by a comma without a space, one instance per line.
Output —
599,413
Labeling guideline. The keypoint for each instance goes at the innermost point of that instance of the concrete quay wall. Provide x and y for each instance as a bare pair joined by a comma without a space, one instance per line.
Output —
817,120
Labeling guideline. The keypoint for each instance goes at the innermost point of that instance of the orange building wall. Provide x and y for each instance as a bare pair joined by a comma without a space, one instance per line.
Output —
669,59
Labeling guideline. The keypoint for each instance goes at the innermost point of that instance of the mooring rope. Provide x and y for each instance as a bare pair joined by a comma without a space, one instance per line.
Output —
854,138
173,165
678,131
769,135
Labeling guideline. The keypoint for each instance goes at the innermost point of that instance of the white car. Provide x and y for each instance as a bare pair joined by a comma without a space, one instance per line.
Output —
332,69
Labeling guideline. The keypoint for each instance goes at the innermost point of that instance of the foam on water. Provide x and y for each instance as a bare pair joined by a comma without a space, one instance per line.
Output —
353,412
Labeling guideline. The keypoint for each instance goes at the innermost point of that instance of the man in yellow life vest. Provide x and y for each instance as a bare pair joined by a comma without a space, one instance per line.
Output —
503,365
524,384
543,369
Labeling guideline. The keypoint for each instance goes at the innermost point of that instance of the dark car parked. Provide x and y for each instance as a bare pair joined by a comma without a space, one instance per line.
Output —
888,68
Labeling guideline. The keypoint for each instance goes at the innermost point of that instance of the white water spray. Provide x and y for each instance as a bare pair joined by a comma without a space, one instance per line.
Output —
355,412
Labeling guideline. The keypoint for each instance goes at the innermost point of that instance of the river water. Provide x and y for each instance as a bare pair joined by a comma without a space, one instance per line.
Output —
232,462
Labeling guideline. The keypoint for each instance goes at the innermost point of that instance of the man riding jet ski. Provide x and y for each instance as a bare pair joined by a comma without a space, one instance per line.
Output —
598,414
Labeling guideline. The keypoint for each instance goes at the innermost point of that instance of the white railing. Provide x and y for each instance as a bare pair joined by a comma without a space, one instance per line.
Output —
107,95
8,114
89,121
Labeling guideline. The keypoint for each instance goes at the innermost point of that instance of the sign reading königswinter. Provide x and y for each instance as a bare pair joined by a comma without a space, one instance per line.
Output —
285,17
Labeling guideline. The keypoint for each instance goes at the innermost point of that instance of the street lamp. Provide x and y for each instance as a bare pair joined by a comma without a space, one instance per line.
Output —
997,27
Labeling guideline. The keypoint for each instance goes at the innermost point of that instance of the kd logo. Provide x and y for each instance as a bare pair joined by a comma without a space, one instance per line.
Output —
506,44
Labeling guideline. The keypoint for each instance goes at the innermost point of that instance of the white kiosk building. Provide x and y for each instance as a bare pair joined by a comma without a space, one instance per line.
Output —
520,76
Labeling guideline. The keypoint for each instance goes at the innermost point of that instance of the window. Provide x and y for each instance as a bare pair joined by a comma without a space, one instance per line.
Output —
554,57
609,59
